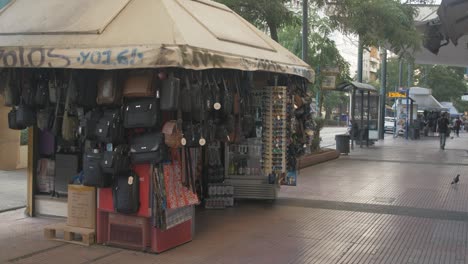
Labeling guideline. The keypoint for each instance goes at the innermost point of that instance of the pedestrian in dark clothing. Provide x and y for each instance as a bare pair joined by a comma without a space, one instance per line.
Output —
442,128
457,126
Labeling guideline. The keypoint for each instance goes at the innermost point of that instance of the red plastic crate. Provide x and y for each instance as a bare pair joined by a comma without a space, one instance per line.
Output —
164,240
143,170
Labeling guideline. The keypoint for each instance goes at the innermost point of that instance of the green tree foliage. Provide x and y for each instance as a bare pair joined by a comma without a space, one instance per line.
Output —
272,13
376,22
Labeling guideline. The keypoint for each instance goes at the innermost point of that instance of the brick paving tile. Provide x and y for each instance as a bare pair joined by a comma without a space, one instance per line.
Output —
391,203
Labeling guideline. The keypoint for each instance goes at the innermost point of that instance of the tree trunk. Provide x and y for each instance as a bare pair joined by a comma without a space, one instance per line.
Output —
327,113
273,30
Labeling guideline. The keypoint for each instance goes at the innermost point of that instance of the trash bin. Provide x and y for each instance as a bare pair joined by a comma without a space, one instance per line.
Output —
342,143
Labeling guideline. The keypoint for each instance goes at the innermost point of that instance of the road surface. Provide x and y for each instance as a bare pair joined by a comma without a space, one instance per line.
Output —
328,136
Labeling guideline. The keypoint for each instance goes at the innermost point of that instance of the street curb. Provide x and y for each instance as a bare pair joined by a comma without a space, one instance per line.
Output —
12,209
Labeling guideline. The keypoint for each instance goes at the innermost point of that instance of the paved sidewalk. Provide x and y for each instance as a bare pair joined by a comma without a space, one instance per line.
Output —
391,203
13,187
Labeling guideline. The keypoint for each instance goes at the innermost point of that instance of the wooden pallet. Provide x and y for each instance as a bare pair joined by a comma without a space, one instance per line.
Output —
71,234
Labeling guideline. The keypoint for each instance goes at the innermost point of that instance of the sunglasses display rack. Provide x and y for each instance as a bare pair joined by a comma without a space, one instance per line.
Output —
274,132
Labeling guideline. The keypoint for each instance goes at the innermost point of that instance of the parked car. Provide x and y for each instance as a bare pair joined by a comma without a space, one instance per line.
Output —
389,124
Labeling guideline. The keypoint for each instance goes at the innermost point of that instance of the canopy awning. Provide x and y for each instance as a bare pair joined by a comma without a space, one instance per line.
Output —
424,99
120,34
347,86
451,108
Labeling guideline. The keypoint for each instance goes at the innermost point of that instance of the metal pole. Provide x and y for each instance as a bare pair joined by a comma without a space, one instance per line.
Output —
362,118
360,61
410,75
400,75
305,29
353,106
383,92
368,118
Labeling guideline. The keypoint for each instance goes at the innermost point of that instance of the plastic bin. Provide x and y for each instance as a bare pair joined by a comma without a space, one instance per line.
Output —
342,143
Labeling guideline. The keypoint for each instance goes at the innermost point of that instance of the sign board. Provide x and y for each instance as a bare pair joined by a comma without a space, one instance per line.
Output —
464,97
396,95
330,70
328,82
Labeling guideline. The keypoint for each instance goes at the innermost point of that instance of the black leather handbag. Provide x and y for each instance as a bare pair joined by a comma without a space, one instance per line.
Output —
42,91
126,193
148,148
142,113
25,116
116,162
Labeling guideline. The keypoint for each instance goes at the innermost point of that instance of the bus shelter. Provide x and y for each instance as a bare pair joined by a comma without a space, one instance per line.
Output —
364,112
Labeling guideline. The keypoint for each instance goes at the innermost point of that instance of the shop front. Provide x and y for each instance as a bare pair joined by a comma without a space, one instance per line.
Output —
152,106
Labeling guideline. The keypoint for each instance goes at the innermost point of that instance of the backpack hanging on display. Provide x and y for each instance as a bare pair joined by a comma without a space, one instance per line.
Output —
143,112
140,83
93,174
109,89
126,193
148,148
116,162
88,123
109,128
170,94
12,88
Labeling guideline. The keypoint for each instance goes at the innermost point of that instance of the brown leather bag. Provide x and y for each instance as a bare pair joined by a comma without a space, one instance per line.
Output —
172,134
109,91
140,84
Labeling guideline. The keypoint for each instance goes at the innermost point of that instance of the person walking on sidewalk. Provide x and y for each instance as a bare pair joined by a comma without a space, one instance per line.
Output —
457,126
442,128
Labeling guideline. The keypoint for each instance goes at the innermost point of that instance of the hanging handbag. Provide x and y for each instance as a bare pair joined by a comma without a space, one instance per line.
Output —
126,193
142,112
28,91
87,88
186,96
140,83
45,118
70,123
172,134
227,99
92,171
197,97
170,93
109,128
191,133
42,91
116,162
12,88
148,148
109,89
12,120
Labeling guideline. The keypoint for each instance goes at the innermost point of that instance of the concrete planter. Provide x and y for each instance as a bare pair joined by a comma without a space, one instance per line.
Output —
316,158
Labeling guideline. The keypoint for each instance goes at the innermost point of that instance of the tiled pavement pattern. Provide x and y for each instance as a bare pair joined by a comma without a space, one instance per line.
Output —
365,208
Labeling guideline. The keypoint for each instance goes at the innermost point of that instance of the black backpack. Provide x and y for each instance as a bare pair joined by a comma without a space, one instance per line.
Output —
126,193
116,162
93,175
109,128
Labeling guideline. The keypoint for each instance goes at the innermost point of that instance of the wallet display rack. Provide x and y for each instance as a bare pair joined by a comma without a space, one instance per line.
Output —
245,163
274,132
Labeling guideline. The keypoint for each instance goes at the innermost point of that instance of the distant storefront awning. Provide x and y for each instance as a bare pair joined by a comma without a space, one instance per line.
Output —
120,34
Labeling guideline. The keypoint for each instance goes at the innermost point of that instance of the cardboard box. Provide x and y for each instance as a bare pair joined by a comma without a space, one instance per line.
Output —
81,206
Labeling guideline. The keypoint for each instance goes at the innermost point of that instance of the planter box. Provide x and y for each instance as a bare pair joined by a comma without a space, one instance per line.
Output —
316,158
